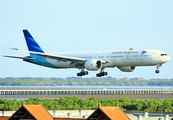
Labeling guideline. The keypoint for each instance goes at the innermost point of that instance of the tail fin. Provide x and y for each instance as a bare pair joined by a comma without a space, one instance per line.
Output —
31,43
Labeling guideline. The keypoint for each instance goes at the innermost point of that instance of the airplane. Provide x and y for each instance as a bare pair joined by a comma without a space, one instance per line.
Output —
125,60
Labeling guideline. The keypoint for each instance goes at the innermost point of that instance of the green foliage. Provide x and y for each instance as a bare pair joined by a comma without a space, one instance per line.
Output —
75,103
76,81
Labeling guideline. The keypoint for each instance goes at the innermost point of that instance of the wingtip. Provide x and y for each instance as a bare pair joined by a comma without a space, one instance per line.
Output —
14,48
25,30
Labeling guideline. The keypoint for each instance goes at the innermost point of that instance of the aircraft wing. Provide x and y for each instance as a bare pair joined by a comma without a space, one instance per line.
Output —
77,60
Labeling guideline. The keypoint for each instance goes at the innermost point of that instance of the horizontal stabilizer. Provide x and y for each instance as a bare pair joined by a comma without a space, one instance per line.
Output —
20,57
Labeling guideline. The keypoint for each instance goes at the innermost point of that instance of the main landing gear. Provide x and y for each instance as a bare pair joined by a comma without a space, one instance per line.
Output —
157,68
102,73
82,73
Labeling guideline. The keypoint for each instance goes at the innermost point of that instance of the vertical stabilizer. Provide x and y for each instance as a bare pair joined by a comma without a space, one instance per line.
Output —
31,43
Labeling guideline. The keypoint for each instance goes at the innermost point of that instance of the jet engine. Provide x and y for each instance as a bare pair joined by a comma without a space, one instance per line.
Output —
127,68
93,65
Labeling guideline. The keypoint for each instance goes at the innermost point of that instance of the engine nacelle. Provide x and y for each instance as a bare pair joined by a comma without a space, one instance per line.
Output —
93,65
127,68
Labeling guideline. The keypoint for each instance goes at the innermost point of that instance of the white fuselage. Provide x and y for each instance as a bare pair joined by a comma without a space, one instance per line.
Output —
148,57
125,60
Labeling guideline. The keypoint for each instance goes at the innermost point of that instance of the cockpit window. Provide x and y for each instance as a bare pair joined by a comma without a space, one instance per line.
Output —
163,54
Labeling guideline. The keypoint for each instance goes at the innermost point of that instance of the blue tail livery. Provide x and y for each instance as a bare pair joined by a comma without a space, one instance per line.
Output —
31,43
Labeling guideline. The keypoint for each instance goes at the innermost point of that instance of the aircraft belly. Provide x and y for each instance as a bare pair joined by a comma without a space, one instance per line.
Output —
147,62
134,62
61,63
64,64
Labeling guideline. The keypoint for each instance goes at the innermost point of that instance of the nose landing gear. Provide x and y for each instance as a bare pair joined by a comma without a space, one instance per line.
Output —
157,68
157,71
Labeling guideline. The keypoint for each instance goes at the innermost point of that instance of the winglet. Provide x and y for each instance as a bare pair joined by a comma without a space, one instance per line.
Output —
31,43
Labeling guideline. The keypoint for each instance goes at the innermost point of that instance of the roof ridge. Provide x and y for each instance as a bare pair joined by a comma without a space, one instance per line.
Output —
25,106
102,109
36,117
46,110
41,107
16,111
104,112
93,112
123,112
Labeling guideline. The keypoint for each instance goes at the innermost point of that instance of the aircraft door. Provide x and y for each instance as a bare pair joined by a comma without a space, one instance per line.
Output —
128,57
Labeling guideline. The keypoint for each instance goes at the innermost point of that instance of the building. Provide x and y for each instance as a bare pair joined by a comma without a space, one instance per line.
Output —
108,113
39,112
31,112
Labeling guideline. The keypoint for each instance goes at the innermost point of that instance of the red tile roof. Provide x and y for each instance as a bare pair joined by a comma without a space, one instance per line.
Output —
4,117
39,112
114,113
111,113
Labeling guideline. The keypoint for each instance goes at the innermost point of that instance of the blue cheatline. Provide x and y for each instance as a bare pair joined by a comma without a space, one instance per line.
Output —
41,62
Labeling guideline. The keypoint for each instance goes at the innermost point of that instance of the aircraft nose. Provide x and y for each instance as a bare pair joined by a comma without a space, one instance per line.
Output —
167,58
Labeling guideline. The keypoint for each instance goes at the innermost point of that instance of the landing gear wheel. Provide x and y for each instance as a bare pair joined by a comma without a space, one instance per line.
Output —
82,73
86,72
102,74
98,75
105,73
79,74
157,71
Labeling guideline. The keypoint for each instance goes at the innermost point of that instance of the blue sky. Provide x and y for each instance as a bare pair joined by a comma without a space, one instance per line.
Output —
85,25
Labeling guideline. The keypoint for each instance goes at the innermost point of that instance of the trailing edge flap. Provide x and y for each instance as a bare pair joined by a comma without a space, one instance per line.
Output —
21,57
60,57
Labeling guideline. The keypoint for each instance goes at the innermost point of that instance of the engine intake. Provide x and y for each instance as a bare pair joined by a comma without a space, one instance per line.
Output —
93,65
127,68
